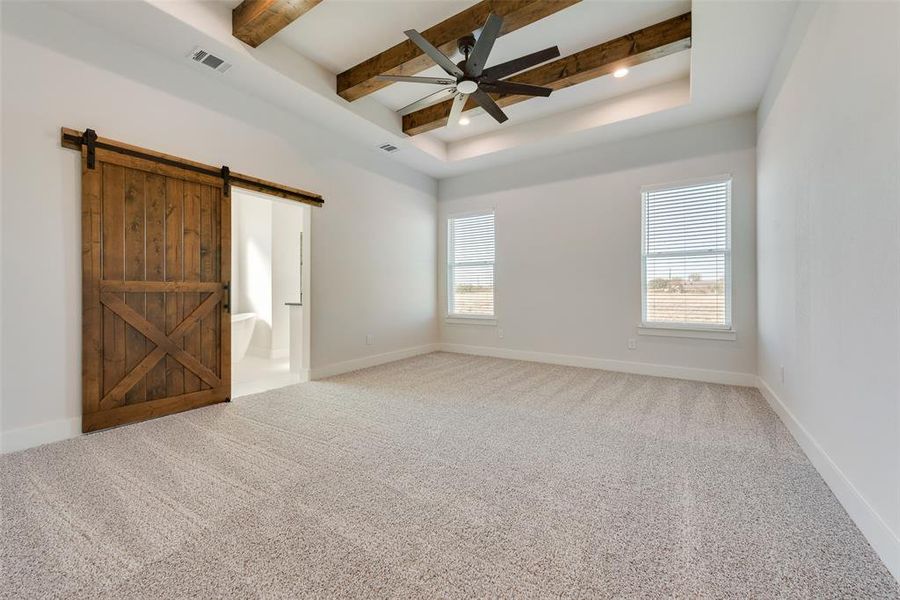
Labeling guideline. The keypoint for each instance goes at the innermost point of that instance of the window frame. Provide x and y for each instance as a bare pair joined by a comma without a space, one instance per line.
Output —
457,318
685,329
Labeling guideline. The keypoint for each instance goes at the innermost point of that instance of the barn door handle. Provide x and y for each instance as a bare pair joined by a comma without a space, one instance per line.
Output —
226,302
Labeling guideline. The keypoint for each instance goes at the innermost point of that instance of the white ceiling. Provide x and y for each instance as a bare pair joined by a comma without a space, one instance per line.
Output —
322,34
735,45
339,34
671,68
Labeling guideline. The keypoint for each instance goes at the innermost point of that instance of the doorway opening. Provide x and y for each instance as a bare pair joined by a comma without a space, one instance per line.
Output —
270,296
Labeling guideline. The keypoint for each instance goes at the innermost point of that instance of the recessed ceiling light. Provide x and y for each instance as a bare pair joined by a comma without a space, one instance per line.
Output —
464,120
620,72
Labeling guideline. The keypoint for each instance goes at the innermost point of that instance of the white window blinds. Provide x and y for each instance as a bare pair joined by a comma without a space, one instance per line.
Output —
470,265
686,258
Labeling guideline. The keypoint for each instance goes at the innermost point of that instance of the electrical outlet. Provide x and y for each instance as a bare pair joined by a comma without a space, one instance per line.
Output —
632,343
370,339
500,332
782,373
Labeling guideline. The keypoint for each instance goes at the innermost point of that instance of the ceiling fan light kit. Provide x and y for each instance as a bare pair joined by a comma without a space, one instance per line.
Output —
469,78
466,86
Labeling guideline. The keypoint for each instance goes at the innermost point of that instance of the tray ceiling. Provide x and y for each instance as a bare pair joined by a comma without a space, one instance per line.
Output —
322,36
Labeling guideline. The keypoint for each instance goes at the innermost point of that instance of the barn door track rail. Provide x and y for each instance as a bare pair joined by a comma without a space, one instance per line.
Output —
88,142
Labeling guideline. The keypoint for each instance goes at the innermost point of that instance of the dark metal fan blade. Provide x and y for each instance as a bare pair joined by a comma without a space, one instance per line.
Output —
429,100
459,103
436,55
508,87
488,104
478,58
520,64
405,79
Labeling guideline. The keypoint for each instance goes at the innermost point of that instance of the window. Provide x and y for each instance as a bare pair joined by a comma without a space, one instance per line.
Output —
470,265
686,255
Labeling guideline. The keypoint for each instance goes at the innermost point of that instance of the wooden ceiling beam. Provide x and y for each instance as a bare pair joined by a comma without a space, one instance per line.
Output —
255,21
407,59
644,45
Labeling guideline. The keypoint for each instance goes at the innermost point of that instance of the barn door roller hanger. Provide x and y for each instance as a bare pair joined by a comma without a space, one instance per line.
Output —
91,142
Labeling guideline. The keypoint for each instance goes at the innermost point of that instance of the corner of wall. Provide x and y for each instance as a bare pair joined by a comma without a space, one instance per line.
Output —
794,39
365,362
884,541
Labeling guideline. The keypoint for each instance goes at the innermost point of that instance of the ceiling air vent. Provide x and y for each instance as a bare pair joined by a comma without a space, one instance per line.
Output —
388,147
199,55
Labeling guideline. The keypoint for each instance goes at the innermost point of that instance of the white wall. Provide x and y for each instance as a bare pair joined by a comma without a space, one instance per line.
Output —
568,252
373,243
253,250
829,254
287,225
265,250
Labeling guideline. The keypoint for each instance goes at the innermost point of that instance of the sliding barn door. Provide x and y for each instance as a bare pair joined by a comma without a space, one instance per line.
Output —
156,252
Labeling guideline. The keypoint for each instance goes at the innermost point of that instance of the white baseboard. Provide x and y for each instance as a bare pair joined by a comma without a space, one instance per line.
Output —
885,542
38,435
370,361
638,368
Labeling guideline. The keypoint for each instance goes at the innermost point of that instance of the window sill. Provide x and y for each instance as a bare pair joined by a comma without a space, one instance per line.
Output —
473,320
688,332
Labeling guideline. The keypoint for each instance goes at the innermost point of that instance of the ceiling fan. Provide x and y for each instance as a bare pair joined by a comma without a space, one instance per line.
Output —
469,77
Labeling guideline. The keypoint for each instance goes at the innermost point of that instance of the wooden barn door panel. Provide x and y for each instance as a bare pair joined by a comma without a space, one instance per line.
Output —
156,258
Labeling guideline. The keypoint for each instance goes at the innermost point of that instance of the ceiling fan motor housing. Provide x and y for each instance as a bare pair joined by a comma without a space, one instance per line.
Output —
465,44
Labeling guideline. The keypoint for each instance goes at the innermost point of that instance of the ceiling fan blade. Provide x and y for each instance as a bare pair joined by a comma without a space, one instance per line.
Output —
459,103
488,104
436,55
509,87
405,79
478,58
520,64
430,99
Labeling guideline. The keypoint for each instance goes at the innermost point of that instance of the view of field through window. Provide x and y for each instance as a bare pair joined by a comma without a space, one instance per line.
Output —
686,253
686,290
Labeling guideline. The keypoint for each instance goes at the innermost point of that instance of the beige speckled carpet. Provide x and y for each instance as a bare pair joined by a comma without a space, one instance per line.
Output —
440,476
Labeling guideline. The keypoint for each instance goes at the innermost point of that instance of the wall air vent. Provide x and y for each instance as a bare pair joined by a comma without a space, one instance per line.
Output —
199,55
388,147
